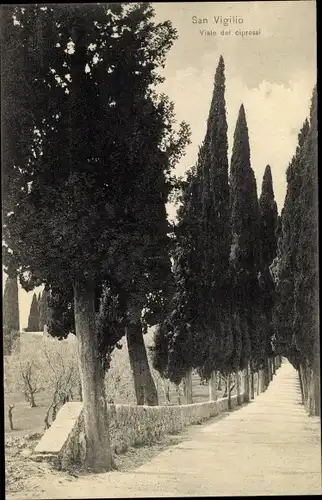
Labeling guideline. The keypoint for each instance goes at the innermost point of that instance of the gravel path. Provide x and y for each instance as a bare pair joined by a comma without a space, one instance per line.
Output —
269,446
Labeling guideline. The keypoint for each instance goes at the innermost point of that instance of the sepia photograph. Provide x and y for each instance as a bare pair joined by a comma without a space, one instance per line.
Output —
160,249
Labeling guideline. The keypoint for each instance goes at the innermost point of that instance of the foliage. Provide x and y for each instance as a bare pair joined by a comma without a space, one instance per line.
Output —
244,255
195,333
215,342
283,266
33,319
43,310
306,302
80,191
268,248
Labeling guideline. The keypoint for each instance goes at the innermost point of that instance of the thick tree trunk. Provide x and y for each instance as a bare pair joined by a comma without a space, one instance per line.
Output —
238,390
188,387
213,387
246,384
145,390
98,456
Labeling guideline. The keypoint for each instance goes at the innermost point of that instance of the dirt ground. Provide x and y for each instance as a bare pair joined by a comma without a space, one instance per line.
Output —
267,447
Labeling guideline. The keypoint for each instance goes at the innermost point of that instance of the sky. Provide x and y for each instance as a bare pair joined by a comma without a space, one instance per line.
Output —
272,73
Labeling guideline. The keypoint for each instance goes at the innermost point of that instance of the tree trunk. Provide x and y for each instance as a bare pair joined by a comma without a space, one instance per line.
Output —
145,389
273,365
188,387
98,455
54,412
246,384
304,384
213,387
301,386
239,399
257,384
252,388
220,383
80,392
317,386
269,370
178,394
228,391
32,400
11,407
261,380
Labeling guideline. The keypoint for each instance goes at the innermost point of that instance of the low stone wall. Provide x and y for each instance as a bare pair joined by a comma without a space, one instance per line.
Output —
64,442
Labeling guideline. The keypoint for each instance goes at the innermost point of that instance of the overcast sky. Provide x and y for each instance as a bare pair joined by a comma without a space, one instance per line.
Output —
272,74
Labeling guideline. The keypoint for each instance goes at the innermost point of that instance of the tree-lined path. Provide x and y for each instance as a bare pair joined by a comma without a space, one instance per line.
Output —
270,446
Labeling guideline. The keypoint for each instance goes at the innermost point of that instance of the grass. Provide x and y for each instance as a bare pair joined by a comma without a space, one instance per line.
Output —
26,419
31,420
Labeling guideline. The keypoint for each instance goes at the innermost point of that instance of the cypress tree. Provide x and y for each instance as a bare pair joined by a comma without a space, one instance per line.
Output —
306,301
284,265
268,248
244,255
33,319
184,320
216,341
10,313
43,310
82,176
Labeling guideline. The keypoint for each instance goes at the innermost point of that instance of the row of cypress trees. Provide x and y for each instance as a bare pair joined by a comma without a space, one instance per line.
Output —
220,314
296,311
39,312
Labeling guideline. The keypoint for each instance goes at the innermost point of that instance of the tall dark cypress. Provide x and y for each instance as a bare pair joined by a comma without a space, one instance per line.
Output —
33,320
43,310
10,313
185,318
216,343
244,255
284,265
306,298
268,248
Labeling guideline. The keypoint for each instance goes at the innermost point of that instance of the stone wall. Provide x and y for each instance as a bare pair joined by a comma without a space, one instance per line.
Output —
63,443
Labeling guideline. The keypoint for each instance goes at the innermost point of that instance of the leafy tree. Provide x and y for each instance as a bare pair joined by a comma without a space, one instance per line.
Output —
244,255
10,314
33,319
81,162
